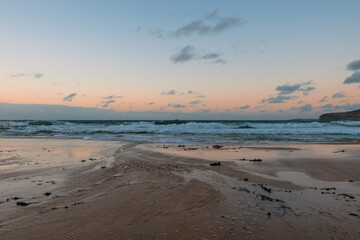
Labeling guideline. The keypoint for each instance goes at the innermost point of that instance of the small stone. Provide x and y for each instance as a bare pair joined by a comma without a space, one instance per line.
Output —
23,204
215,164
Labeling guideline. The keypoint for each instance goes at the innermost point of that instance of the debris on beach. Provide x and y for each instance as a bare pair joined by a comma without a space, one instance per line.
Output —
47,193
52,182
215,164
346,195
263,197
191,149
23,204
244,189
13,198
251,160
255,160
77,203
265,188
217,146
270,199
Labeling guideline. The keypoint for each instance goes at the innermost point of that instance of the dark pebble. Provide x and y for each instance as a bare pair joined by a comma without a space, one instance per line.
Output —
23,204
215,164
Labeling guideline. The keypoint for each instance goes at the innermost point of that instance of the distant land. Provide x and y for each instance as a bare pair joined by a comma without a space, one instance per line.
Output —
351,115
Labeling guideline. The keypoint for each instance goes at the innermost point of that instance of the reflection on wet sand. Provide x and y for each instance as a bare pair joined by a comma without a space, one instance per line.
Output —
82,189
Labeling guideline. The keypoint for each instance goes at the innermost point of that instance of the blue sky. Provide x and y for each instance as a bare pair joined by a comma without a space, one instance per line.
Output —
230,55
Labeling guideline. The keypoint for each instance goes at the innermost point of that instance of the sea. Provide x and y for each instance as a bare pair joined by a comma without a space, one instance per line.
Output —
190,132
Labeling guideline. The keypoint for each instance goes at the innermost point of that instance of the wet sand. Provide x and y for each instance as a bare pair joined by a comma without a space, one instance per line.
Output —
109,190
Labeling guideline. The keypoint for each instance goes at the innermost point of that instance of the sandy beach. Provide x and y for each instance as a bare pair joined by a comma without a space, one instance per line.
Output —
77,189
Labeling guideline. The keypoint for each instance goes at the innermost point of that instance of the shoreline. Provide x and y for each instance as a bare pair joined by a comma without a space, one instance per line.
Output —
146,192
171,143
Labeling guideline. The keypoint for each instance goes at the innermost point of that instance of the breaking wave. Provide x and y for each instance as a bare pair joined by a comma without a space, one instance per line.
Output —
231,132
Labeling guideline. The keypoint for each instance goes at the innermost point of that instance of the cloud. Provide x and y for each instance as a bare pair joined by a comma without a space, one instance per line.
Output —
188,53
37,75
170,92
226,23
212,15
195,102
106,104
355,78
200,96
306,90
327,106
306,108
353,66
289,89
195,27
70,97
324,99
339,95
261,106
280,99
344,107
285,91
201,27
210,24
176,105
348,107
210,56
221,61
33,75
17,75
243,107
303,109
112,97
192,92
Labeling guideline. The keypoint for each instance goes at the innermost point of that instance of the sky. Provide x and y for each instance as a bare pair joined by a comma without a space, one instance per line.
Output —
165,59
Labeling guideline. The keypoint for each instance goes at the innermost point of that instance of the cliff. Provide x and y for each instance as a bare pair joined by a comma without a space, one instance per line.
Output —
352,115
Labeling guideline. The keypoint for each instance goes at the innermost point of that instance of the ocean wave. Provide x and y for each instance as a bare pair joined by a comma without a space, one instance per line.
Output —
190,131
41,122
